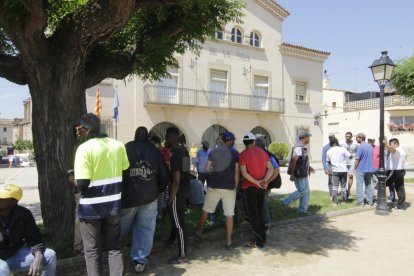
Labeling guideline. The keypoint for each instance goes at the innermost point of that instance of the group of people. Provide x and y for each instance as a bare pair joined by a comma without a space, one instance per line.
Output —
361,157
122,188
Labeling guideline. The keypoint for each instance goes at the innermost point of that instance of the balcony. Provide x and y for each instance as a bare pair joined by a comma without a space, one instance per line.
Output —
164,95
389,101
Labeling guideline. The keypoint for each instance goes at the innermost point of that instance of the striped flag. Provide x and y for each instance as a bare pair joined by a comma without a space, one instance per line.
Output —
116,106
98,103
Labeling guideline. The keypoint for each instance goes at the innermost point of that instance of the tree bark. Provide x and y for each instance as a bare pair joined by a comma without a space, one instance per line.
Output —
58,96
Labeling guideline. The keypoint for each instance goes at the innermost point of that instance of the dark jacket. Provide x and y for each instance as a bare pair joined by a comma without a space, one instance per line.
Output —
146,177
302,164
16,230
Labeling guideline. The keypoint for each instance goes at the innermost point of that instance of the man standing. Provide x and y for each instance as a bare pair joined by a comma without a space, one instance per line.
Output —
21,245
337,157
200,161
352,147
193,153
11,152
224,173
256,169
299,170
99,163
326,167
142,182
364,168
395,165
376,158
261,143
178,192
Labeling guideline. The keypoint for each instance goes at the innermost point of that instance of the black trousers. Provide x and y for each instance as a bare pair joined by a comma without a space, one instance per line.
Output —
395,179
255,198
330,184
176,211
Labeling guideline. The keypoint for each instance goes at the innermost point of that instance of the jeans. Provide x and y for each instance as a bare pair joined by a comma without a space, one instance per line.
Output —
142,219
22,260
302,193
361,179
98,235
330,184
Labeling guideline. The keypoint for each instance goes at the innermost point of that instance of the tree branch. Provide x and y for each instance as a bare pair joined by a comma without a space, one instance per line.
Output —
11,68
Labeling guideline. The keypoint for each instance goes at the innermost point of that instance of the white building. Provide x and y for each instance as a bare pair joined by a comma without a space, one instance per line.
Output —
247,79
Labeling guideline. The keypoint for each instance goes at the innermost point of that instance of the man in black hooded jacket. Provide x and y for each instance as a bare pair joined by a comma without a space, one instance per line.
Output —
142,182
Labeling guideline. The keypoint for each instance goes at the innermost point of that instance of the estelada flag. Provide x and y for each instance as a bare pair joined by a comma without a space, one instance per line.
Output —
98,103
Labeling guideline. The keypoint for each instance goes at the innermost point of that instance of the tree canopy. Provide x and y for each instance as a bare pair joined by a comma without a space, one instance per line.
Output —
403,77
61,47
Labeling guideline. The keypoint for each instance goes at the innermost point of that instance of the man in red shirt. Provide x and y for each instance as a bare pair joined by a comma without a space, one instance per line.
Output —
256,169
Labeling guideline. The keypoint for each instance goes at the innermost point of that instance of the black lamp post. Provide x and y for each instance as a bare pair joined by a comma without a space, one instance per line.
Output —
382,70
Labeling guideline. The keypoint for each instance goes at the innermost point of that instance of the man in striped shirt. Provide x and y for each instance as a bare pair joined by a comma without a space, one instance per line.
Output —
99,163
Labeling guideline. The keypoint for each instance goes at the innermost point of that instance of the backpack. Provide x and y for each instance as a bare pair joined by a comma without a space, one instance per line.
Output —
277,182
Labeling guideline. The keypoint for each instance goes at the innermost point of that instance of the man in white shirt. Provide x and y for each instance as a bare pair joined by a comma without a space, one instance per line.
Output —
351,146
338,157
394,165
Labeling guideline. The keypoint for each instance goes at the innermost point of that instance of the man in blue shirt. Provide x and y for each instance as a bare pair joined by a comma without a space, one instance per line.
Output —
200,161
364,166
326,167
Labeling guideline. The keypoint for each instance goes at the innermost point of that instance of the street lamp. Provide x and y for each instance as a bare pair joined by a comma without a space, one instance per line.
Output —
382,70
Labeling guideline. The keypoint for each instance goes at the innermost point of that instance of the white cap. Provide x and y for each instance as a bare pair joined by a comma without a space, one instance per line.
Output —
249,136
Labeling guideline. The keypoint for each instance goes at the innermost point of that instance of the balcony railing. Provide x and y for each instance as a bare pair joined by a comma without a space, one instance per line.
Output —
389,101
156,94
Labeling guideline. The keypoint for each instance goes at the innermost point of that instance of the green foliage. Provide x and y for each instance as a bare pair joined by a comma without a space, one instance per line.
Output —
280,150
58,9
23,145
403,77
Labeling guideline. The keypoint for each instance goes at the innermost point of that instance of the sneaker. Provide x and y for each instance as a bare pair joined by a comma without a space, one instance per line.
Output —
305,212
139,267
251,244
228,247
178,260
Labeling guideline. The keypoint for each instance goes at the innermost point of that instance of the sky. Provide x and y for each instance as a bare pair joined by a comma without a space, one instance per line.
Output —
353,31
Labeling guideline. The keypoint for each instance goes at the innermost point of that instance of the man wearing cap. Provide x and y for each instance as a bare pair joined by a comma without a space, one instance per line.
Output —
21,245
326,166
257,170
200,161
364,166
223,168
142,182
99,163
299,170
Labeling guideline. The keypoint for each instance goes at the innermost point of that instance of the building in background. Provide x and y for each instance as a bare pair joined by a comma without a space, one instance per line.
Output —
22,129
245,79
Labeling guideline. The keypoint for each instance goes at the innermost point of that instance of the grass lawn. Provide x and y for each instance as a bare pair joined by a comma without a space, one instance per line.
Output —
409,180
320,203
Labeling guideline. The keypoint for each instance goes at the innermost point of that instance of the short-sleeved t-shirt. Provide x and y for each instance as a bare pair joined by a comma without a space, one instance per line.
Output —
255,160
352,148
365,156
338,157
396,160
180,161
274,162
101,160
223,162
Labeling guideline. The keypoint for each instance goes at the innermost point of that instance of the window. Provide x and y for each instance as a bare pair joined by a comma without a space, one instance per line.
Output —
254,39
218,87
168,87
333,105
260,92
219,35
301,88
402,123
236,35
4,129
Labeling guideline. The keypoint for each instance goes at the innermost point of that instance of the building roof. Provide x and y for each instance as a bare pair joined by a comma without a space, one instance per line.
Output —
302,52
273,8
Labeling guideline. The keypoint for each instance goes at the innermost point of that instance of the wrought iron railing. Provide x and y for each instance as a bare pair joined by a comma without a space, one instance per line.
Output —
156,94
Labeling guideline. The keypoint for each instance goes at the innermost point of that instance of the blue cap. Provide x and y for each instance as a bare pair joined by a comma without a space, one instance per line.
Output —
228,136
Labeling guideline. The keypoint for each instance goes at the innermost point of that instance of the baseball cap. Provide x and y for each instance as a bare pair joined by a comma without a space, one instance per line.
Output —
228,136
303,134
91,122
332,136
11,191
249,136
205,143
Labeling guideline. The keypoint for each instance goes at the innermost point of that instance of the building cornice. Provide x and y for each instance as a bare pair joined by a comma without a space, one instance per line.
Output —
273,8
301,52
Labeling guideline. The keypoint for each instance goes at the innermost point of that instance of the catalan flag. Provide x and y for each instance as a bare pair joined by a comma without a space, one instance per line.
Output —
98,103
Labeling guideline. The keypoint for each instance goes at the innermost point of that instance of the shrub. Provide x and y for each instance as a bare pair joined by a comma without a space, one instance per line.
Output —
23,145
280,150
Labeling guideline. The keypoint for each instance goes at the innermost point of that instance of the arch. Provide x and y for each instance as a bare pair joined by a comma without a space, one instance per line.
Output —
213,135
160,130
237,35
261,130
255,39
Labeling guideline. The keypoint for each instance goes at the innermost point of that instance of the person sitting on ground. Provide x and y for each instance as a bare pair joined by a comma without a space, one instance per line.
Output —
21,245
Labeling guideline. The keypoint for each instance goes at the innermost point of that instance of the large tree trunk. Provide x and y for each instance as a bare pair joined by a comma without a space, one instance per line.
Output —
54,117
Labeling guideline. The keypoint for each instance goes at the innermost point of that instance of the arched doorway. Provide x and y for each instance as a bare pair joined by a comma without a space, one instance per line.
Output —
260,130
213,135
160,130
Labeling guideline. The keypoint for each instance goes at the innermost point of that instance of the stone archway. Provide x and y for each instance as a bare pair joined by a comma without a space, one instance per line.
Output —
261,130
160,130
213,135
